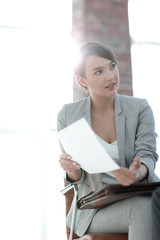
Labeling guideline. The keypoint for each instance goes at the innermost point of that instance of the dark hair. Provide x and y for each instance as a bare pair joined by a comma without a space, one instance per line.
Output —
92,48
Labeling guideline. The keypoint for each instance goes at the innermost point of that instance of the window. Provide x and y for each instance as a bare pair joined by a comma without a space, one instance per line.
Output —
145,50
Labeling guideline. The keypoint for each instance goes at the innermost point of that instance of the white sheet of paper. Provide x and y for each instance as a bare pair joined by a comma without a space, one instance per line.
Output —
79,140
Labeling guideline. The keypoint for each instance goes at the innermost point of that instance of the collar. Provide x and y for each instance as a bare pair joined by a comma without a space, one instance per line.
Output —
87,105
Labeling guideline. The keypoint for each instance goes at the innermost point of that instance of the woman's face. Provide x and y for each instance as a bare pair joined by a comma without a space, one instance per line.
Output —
101,76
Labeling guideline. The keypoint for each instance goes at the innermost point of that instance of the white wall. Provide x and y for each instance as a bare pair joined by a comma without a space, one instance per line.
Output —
35,80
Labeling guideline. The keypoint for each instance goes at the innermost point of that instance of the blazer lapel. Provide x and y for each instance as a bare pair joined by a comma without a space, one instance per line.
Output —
87,110
94,179
120,125
120,131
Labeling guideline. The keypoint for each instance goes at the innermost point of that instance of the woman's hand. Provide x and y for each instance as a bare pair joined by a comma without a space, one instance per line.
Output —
71,167
135,173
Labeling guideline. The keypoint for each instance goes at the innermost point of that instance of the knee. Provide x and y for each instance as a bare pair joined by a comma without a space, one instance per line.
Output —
141,208
142,203
139,218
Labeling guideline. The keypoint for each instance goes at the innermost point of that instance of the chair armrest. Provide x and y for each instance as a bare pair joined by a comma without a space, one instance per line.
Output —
67,189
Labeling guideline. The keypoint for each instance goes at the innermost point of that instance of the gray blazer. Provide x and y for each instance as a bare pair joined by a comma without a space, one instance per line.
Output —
135,130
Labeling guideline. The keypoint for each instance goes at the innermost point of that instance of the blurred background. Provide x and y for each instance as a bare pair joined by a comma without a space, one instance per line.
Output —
38,44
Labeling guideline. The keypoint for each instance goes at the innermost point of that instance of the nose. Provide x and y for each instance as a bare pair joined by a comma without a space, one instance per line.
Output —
110,75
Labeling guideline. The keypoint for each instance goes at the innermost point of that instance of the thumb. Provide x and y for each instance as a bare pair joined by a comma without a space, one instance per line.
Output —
137,161
136,164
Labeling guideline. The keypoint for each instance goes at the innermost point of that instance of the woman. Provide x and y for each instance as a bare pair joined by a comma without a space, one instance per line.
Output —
125,127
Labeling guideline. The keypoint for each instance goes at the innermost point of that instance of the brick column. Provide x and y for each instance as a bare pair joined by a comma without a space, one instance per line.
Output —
105,21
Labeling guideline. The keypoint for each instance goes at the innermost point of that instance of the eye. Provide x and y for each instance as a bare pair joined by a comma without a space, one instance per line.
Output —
98,72
113,65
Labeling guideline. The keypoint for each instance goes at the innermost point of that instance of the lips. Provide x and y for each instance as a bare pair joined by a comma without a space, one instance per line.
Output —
110,85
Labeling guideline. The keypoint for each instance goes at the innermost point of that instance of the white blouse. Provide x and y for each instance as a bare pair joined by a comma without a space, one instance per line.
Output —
112,150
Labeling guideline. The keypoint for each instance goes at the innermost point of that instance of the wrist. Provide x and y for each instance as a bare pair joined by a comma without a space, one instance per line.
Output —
143,172
74,176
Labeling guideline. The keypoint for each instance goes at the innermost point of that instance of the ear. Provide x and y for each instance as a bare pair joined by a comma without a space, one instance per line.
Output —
82,81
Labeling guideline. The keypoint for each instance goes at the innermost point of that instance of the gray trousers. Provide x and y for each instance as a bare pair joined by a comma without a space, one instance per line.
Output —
132,215
156,214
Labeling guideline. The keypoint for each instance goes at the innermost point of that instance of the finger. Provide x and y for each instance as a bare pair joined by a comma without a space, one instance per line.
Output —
125,181
67,162
138,161
136,164
124,176
69,165
123,172
71,169
65,156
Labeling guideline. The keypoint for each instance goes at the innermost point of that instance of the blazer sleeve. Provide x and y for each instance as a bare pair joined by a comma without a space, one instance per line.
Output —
62,123
145,144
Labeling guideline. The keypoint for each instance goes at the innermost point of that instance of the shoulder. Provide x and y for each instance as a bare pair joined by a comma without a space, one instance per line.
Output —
73,106
131,100
130,103
77,104
72,111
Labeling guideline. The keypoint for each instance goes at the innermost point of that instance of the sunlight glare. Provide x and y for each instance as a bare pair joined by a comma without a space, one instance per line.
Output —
36,79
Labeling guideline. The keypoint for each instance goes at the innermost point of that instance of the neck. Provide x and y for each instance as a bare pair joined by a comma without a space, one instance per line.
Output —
101,105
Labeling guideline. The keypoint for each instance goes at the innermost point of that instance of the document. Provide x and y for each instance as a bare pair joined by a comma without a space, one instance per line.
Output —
81,143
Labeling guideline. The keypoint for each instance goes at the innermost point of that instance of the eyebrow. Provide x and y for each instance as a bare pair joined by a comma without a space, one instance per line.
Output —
100,67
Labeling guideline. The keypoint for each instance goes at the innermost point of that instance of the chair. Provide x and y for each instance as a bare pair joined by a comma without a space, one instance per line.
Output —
69,194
